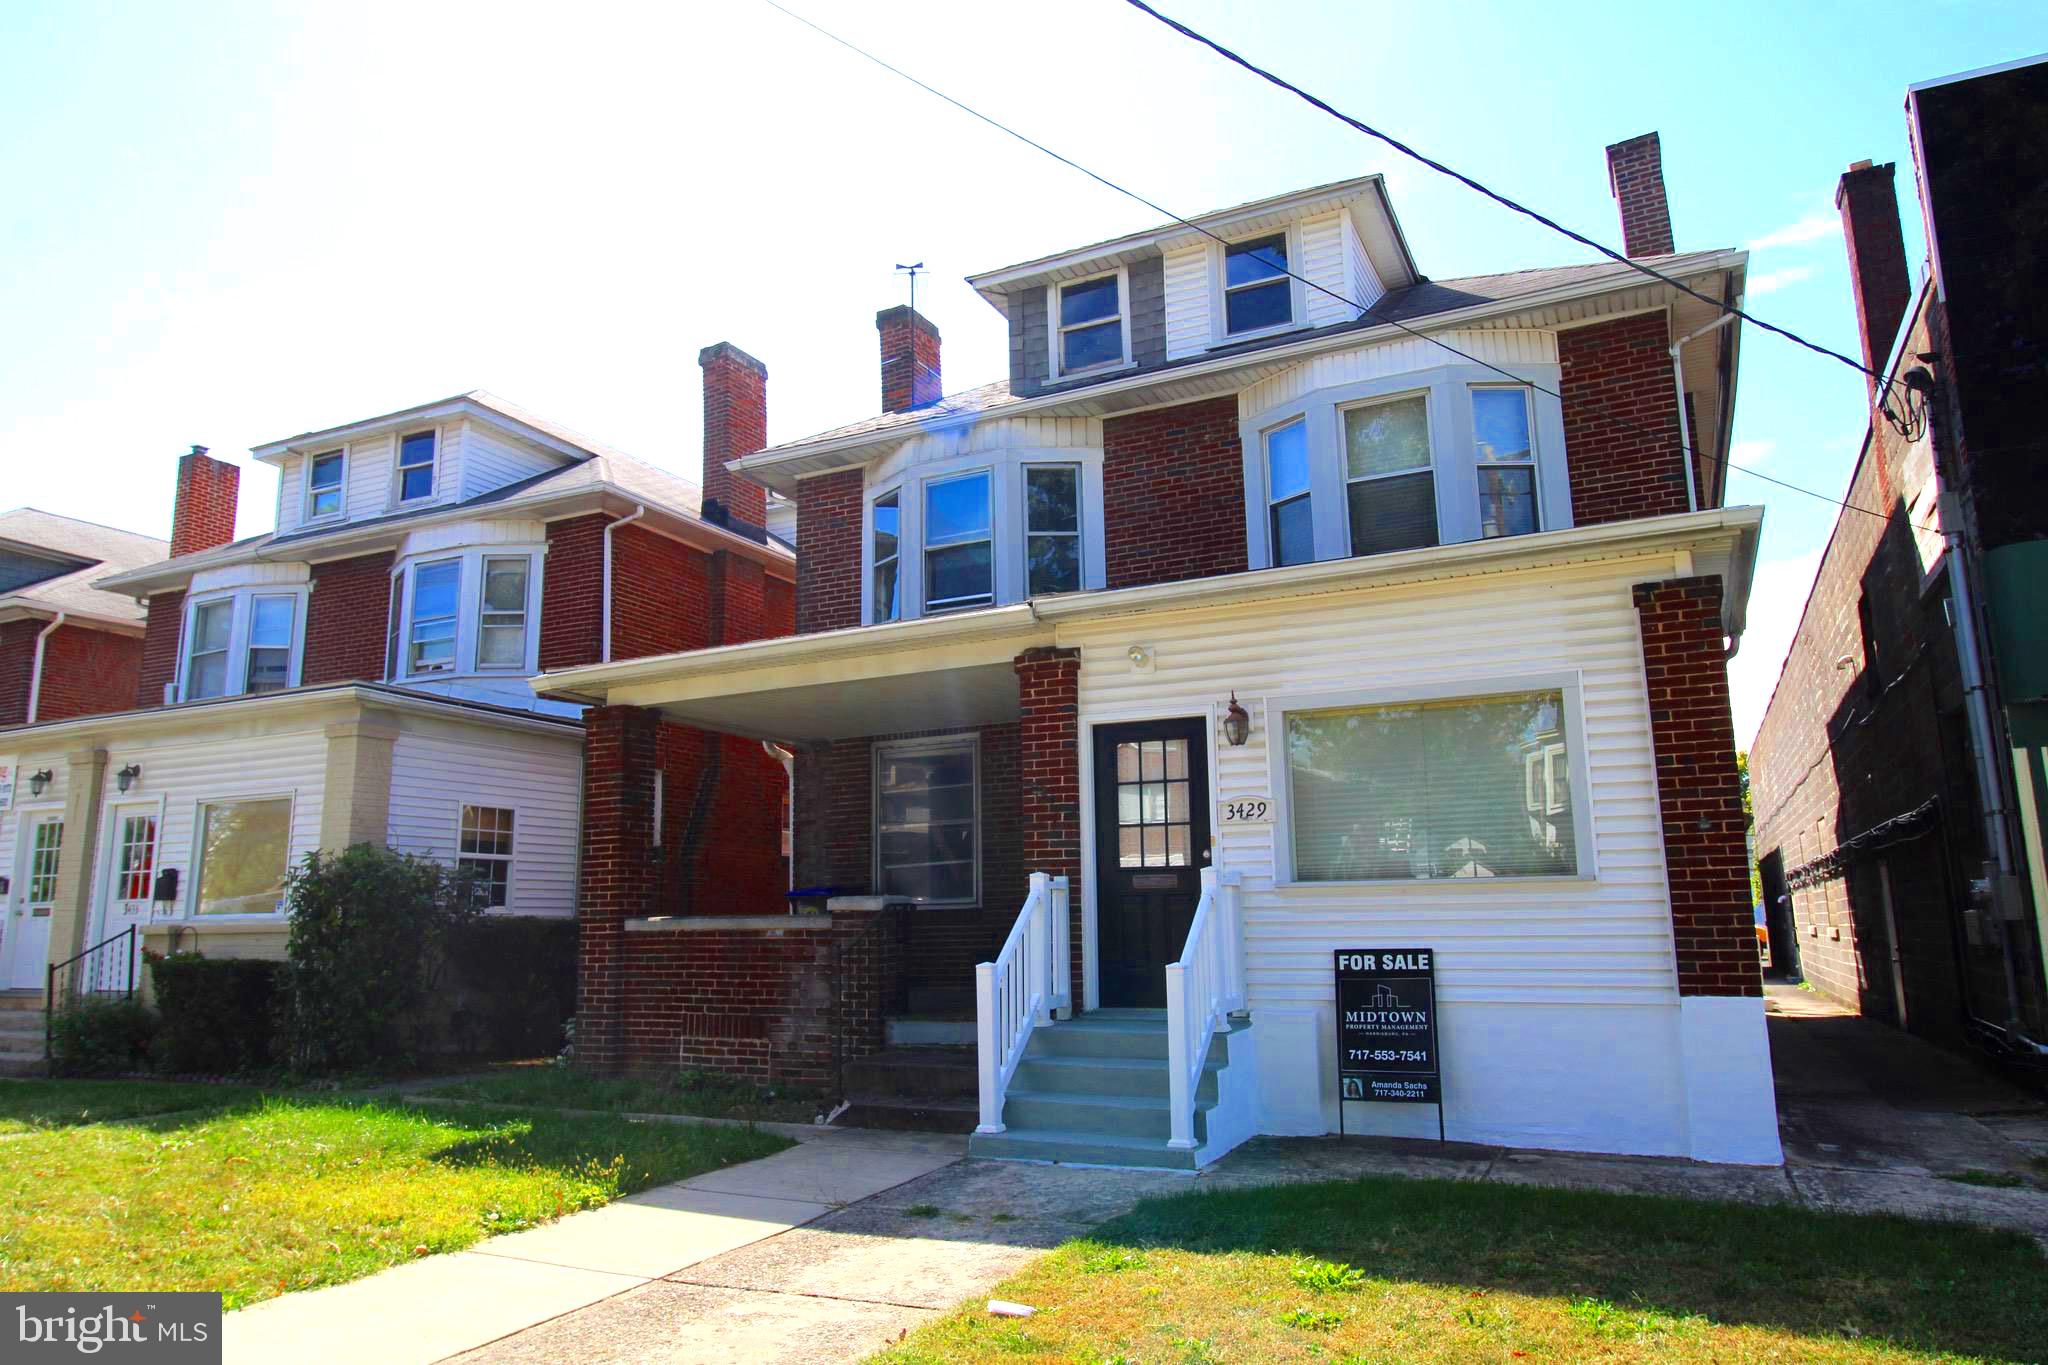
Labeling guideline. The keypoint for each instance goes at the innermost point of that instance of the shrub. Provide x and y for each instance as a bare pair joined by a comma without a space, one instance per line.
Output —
511,984
219,1016
370,934
99,1037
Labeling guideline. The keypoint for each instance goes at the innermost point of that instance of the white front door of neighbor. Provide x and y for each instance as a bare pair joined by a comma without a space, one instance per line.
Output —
25,948
124,893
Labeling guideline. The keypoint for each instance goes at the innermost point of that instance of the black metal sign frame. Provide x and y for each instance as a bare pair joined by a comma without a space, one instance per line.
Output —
1386,1029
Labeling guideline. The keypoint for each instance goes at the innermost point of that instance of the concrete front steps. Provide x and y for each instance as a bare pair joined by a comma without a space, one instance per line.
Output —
21,1033
1092,1091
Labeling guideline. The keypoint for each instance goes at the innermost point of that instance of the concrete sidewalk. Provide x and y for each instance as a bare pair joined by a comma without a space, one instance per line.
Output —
443,1305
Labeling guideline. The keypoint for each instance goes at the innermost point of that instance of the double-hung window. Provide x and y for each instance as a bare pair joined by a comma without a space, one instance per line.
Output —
1090,335
1461,787
435,601
206,665
243,847
241,642
1391,483
486,844
501,626
394,629
270,643
416,466
324,474
1507,462
1052,528
1257,291
1290,509
926,821
959,546
887,517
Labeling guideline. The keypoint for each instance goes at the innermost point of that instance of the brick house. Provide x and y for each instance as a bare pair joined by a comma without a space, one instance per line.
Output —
66,648
1236,627
359,674
1898,776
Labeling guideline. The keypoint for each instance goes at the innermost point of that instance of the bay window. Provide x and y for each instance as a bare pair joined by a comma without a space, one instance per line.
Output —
270,643
1052,528
927,826
435,589
1507,462
1089,333
240,642
886,527
959,543
501,631
1287,491
462,612
242,849
206,669
324,474
1390,492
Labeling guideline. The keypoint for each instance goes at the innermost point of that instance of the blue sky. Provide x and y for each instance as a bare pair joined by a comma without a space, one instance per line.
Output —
227,223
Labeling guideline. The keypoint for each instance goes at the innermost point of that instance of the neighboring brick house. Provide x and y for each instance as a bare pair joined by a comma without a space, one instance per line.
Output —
359,674
1901,769
1237,626
66,648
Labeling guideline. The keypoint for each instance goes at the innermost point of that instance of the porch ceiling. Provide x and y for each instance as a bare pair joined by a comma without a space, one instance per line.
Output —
930,699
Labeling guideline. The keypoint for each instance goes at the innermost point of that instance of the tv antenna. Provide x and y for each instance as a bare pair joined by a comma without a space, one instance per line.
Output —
911,270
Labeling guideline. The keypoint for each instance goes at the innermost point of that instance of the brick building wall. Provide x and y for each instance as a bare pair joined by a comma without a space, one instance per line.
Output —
828,569
572,592
661,595
1621,420
1699,791
164,625
203,512
85,671
1049,774
348,616
1173,494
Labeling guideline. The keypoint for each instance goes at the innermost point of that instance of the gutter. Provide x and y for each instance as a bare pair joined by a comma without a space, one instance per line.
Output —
264,703
35,677
1692,495
609,527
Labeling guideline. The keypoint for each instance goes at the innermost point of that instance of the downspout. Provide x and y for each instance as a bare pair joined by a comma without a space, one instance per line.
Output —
35,676
606,610
788,761
1692,495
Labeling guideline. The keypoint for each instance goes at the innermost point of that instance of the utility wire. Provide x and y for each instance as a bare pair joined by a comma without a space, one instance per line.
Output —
1263,74
1364,310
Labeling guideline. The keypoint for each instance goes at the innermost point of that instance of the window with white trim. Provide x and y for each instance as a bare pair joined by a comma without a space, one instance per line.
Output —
886,531
324,475
1052,528
1390,476
1290,506
1258,293
394,628
1506,456
486,854
242,849
241,642
1432,789
1089,325
416,451
927,827
959,543
436,603
501,625
464,612
271,619
206,666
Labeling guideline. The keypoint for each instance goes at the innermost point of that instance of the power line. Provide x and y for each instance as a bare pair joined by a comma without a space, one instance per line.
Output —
1364,310
1497,197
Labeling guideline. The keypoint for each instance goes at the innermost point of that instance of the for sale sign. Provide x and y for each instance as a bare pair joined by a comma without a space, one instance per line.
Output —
1386,1025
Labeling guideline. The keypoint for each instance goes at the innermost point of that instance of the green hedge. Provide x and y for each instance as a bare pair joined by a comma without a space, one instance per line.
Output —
217,1016
100,1037
511,985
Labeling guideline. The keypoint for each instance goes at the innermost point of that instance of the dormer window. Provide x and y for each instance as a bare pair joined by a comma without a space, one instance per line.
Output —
416,466
959,544
1257,292
1093,326
324,473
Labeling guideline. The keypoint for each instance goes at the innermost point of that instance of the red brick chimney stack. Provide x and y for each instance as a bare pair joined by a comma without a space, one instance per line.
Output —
1869,203
735,424
1635,174
204,514
910,359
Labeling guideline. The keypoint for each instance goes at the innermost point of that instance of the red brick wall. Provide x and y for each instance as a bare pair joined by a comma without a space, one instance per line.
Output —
1049,772
572,593
203,514
159,668
721,826
620,746
828,567
347,616
661,595
739,606
1699,791
1621,421
735,424
778,607
1173,494
910,359
85,671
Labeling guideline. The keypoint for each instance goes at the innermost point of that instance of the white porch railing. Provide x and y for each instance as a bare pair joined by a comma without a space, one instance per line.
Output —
1201,991
1031,977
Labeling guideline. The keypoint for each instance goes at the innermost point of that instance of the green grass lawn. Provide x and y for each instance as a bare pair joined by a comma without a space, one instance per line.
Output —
699,1094
275,1193
1395,1270
28,1106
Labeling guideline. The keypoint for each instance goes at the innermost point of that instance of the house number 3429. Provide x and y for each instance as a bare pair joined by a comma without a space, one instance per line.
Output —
1251,810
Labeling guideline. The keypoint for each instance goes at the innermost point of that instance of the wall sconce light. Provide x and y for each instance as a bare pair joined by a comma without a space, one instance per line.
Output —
1140,657
39,782
1237,723
126,777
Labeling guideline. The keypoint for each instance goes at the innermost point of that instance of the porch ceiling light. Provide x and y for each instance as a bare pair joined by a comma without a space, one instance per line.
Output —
126,777
1237,723
39,782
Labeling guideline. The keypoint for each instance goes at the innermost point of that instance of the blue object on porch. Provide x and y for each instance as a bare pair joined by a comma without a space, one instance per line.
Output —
810,900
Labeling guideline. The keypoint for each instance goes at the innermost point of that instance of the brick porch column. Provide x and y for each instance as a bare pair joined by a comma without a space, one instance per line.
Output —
618,876
1049,767
1730,1105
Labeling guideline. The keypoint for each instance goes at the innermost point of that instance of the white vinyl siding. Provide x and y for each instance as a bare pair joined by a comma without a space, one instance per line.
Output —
490,460
1361,281
435,772
1322,260
1186,285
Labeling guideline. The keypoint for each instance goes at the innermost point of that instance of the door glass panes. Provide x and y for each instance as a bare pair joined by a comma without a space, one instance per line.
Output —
501,631
1052,528
1256,290
206,673
959,560
1293,528
323,479
888,530
1507,463
44,851
1152,814
270,643
434,590
925,823
137,857
1391,487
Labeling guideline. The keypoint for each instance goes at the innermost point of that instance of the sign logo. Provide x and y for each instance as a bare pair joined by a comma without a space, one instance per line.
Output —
1386,1026
169,1328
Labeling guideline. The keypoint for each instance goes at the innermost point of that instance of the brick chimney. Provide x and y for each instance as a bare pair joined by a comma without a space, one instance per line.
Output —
910,359
204,514
1635,173
735,424
1869,203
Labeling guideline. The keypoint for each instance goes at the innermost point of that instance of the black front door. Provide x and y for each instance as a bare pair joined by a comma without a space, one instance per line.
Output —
1151,844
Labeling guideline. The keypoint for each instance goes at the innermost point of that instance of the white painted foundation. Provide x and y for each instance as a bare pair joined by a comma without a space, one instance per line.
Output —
1731,1105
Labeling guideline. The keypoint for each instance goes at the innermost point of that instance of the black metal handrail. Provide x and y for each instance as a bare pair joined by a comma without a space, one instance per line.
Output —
91,972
